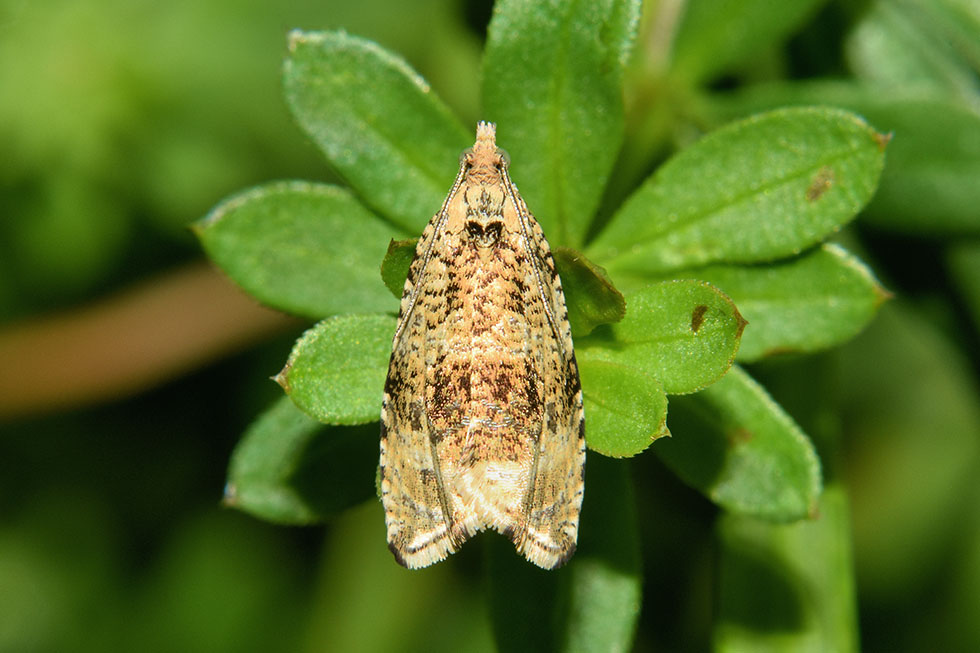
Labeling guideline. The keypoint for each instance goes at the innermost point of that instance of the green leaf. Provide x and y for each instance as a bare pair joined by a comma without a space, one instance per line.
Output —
928,186
591,604
756,190
336,371
964,264
787,587
291,469
909,394
309,249
737,446
360,600
606,572
960,19
528,605
716,35
379,124
812,302
909,45
397,261
682,333
553,82
590,296
625,409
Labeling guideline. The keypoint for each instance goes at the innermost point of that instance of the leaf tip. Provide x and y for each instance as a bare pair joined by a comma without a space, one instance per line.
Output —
883,139
881,295
230,497
741,323
813,510
282,378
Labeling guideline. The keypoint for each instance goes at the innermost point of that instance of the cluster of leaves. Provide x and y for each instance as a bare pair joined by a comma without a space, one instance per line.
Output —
738,218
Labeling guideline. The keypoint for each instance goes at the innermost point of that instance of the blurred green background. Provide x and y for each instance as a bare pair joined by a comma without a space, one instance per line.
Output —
122,122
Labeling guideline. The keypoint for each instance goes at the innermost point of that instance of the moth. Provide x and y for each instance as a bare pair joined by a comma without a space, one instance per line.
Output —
482,424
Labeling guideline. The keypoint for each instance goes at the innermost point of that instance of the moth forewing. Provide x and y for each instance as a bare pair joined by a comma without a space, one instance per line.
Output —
482,423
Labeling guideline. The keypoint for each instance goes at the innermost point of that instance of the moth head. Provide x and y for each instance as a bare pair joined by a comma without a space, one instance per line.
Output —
485,159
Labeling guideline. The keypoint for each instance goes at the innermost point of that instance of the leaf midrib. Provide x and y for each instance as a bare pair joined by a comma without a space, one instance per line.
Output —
701,215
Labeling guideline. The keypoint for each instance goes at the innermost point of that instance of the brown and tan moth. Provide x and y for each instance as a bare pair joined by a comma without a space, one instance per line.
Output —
482,424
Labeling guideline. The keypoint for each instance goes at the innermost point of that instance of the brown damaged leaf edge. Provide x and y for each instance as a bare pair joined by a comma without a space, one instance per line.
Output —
282,378
482,422
883,139
882,295
742,323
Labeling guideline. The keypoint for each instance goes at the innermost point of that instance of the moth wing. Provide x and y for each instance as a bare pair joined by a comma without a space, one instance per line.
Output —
416,509
550,532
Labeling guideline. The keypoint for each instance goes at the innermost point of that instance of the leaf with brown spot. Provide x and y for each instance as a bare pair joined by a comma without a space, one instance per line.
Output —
746,193
656,336
697,317
821,183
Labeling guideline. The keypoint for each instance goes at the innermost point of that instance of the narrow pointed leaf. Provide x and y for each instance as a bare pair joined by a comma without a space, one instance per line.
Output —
308,249
527,604
378,123
805,304
929,185
606,572
625,408
289,468
757,190
553,81
336,371
735,444
787,587
905,377
682,333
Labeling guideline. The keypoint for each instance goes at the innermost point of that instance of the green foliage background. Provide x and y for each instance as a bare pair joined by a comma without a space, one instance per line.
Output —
122,123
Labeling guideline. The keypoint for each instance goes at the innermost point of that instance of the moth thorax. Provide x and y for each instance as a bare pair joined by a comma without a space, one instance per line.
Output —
484,234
